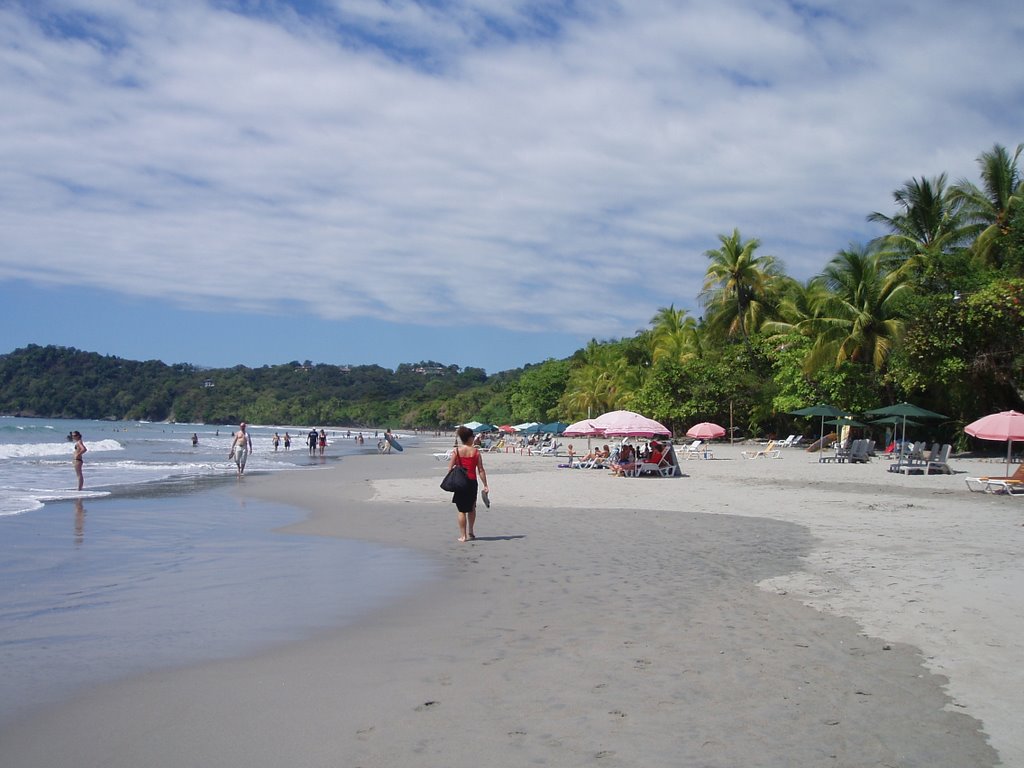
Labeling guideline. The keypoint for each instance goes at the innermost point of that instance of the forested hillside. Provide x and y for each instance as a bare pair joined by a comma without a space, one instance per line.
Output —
64,382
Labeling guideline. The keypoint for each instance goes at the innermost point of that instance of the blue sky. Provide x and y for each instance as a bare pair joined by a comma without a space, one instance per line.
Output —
480,182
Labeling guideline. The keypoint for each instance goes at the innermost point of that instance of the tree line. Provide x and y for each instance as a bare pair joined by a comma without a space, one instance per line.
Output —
56,382
930,311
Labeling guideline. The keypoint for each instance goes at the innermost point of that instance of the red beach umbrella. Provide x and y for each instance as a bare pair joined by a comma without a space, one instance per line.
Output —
1005,425
706,430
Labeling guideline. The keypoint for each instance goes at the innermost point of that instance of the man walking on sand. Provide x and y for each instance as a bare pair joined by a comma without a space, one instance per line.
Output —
241,447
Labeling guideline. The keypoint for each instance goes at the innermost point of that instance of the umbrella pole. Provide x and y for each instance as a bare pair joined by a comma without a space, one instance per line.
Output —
821,442
1009,455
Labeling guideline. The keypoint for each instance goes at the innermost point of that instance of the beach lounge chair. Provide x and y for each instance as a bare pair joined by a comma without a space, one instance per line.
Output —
551,449
770,451
912,458
940,462
797,441
666,467
444,456
936,460
787,442
1012,484
691,451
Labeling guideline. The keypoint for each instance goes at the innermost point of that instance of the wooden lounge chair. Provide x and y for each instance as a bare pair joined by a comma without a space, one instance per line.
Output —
1012,484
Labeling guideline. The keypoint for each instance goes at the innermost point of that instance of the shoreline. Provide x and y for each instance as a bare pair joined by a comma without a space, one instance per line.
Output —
623,623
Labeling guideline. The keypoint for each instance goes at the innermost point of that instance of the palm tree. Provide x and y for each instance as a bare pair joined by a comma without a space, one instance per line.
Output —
738,285
857,318
991,209
929,228
674,335
605,381
799,304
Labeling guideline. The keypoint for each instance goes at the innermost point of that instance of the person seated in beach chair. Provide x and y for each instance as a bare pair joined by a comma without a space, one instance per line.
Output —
625,463
661,462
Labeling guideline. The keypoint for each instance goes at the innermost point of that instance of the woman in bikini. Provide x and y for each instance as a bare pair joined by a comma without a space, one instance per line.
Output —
80,450
468,455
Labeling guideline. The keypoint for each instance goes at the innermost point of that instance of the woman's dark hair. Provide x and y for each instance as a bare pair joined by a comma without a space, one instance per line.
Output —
465,435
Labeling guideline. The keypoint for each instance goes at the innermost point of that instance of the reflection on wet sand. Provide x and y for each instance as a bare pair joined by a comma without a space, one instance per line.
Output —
79,522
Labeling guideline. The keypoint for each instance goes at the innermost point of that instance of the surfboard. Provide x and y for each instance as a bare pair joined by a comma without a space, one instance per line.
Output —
394,443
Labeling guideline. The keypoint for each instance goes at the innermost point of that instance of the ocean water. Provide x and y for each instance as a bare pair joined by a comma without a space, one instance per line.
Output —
35,456
162,562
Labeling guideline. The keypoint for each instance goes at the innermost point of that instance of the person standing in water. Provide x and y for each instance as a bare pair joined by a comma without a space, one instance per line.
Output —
241,447
80,450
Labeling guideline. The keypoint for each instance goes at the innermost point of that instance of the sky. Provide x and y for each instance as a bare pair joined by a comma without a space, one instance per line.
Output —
484,183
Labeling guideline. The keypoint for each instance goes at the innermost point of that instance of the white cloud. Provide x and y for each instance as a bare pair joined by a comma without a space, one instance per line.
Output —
393,157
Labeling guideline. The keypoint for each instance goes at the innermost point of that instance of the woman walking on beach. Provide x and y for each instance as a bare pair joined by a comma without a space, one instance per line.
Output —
80,450
468,456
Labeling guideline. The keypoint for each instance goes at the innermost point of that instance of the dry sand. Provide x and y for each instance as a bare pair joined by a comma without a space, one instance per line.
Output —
752,613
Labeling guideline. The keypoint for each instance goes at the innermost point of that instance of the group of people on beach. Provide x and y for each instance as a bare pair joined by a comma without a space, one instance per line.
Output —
466,454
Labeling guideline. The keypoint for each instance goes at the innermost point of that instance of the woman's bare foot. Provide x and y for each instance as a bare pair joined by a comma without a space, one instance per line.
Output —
461,538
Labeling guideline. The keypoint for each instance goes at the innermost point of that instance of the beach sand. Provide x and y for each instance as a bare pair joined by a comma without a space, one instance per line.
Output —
752,613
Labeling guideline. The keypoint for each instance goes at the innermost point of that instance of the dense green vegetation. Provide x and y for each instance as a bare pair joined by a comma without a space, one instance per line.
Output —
63,382
931,311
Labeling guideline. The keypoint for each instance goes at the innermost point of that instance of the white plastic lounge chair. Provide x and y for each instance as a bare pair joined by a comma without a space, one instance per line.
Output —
444,456
787,442
691,451
1012,484
667,467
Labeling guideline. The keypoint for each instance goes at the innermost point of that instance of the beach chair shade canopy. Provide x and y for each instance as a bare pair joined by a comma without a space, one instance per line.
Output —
821,410
630,424
706,430
554,427
527,427
895,421
478,426
905,411
583,428
1005,425
845,421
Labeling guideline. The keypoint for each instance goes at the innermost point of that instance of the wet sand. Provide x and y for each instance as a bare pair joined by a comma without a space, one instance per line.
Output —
756,613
